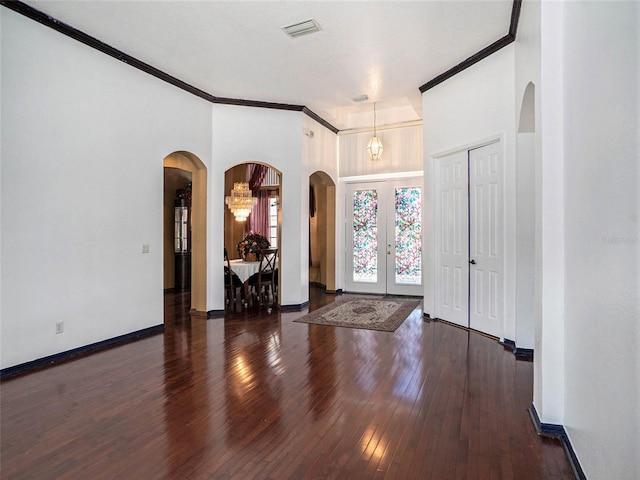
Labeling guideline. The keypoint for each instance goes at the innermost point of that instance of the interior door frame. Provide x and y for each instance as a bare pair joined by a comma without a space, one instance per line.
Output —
387,187
433,287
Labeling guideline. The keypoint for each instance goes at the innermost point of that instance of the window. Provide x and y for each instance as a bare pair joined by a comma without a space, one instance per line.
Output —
273,221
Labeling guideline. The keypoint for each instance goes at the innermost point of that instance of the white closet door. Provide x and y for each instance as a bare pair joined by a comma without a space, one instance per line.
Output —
486,253
452,243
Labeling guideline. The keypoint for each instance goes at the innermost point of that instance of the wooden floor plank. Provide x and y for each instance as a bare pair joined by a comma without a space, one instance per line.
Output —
256,395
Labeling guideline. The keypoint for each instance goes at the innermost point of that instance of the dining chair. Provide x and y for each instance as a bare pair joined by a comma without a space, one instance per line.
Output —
231,282
264,282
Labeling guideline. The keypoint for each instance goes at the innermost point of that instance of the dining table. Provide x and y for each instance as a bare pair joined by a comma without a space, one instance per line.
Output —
244,270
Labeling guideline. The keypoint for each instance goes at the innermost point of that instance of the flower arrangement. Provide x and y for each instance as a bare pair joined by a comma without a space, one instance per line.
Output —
253,243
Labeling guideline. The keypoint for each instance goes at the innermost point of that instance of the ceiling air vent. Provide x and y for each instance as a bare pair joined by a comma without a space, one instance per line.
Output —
299,29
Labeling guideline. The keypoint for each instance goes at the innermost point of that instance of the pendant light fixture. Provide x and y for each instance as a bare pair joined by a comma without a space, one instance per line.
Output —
374,148
240,202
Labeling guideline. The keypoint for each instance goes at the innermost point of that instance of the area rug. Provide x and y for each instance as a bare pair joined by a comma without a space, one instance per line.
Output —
357,311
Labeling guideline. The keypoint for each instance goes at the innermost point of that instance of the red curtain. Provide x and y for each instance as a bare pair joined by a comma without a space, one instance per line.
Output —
258,221
258,172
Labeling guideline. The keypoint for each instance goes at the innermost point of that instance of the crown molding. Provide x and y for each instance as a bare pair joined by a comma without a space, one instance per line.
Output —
320,120
61,27
509,38
69,31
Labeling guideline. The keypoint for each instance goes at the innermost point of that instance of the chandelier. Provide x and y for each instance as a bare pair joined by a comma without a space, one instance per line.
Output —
240,202
374,148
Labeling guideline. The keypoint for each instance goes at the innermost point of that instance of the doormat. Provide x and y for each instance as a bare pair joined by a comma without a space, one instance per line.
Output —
372,313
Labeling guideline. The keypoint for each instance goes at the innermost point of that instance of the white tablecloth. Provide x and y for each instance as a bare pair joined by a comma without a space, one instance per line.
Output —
244,269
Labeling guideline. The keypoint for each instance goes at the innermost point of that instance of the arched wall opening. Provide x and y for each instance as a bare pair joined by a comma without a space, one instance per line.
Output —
191,164
177,191
527,119
269,209
322,231
525,220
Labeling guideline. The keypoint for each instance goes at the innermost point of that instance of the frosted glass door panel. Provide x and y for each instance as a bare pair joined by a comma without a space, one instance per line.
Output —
365,236
366,233
408,236
404,248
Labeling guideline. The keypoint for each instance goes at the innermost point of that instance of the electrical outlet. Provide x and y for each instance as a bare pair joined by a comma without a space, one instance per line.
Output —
145,248
59,327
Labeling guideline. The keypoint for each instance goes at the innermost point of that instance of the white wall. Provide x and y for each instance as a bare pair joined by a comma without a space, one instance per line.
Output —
320,153
476,104
402,151
525,240
274,137
83,141
601,99
527,72
548,382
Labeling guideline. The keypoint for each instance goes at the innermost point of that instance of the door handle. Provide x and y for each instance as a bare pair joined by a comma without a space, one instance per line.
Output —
472,261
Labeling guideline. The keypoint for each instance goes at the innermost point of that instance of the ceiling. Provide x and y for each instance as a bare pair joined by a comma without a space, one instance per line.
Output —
236,49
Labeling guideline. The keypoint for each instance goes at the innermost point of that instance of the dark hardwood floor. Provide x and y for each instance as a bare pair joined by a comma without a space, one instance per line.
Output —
255,395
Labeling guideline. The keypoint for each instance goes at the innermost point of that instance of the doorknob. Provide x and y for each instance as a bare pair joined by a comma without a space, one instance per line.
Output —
472,261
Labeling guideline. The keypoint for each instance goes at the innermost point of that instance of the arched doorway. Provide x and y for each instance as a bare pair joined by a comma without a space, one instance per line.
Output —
193,166
525,223
322,231
266,217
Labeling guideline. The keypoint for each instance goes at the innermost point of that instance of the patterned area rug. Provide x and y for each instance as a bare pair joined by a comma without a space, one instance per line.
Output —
371,313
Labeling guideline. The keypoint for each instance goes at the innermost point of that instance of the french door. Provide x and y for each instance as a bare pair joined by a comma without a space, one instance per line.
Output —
469,239
384,237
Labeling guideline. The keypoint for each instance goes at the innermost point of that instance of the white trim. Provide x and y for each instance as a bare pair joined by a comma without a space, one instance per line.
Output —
431,276
391,126
470,146
380,177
